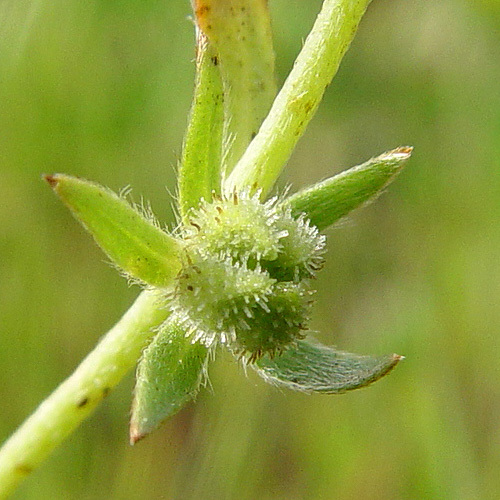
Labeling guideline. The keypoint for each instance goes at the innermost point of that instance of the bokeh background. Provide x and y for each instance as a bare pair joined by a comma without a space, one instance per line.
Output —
101,90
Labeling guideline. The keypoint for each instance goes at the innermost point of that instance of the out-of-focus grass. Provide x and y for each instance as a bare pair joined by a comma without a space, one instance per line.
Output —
101,90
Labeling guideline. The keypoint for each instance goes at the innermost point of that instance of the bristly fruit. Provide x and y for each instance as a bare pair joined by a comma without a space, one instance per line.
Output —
245,275
238,272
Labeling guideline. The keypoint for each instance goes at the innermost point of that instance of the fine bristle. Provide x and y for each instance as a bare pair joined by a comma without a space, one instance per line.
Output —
246,275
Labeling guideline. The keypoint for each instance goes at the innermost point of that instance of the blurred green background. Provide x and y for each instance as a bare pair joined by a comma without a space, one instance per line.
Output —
101,89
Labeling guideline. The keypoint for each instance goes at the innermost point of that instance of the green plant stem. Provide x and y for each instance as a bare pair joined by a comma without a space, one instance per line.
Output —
79,395
296,103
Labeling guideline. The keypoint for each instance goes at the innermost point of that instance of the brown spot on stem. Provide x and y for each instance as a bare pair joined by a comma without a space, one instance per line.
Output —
202,9
83,402
23,469
308,106
106,391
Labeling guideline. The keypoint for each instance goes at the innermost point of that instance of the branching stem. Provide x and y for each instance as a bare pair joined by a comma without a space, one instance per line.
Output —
299,97
200,174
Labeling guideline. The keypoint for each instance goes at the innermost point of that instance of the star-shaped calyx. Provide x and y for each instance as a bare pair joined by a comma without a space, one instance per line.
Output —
236,274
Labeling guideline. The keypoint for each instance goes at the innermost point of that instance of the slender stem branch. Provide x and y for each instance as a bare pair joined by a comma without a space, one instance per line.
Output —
300,96
78,395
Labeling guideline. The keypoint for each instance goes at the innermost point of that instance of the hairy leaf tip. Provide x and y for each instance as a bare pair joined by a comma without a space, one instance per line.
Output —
52,180
135,435
403,152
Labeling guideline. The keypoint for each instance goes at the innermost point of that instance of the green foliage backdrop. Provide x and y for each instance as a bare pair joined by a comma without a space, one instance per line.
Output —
102,90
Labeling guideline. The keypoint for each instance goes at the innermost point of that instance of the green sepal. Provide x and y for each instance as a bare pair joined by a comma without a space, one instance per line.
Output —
240,34
199,172
169,375
312,367
330,200
133,242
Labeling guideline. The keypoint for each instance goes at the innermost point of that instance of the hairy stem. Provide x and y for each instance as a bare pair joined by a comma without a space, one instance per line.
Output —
79,395
299,97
